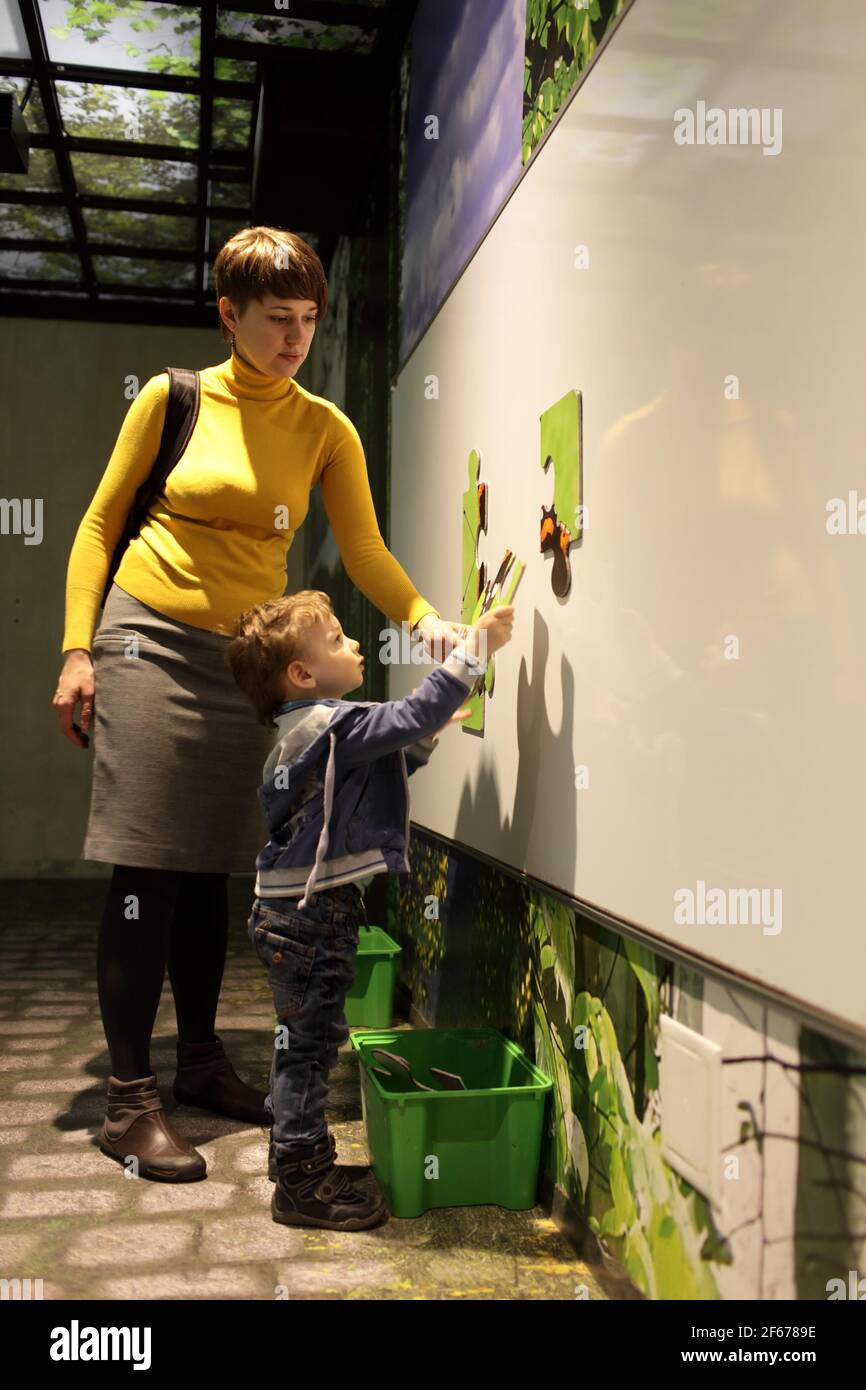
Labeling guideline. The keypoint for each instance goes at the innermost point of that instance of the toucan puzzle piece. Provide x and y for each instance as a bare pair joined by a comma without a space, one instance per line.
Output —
562,446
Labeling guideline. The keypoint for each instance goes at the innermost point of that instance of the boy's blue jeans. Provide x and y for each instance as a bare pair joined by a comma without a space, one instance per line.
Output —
310,960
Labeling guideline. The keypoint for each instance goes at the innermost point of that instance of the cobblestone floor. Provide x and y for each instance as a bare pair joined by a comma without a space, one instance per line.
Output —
69,1215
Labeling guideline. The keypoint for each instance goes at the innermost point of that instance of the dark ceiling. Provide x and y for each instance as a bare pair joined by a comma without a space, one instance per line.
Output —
156,131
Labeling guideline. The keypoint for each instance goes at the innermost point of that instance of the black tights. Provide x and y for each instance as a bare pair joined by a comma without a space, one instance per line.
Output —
154,917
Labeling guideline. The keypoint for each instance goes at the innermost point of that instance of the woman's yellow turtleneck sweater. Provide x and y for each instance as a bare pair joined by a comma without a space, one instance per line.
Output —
215,541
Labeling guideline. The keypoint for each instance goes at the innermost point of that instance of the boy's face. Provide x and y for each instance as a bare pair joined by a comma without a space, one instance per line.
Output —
331,667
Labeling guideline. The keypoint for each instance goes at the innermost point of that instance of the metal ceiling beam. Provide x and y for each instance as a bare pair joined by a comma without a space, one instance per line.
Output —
32,21
389,24
107,204
322,11
126,149
126,309
77,287
205,139
319,61
126,77
112,248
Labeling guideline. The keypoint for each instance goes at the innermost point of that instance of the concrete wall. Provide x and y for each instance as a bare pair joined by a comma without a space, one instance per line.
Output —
63,404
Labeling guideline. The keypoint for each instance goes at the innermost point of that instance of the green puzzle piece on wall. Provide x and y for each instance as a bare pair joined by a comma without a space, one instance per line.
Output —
474,578
478,595
562,446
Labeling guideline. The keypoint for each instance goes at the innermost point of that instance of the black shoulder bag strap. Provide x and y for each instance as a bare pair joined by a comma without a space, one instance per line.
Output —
181,413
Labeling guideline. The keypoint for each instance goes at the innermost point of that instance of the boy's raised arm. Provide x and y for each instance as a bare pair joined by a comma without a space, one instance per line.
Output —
418,753
395,724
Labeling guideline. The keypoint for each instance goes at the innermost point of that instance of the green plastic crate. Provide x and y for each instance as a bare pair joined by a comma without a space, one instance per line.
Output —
454,1148
370,1001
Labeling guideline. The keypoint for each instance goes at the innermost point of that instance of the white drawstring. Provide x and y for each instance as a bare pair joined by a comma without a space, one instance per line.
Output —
321,848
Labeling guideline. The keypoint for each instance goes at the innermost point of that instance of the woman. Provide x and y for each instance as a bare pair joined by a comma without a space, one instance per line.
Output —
179,752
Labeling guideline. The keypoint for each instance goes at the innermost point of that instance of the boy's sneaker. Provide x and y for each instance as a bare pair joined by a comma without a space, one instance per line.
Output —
312,1191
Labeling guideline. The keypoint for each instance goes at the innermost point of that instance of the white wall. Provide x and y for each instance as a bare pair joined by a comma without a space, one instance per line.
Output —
707,514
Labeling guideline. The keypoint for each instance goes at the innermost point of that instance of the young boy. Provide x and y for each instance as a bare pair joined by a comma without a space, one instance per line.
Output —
336,802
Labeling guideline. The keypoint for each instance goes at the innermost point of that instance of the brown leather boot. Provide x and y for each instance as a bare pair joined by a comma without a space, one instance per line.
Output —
136,1125
205,1077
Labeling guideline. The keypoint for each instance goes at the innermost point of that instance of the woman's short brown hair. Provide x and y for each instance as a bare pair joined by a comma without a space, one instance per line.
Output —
266,639
267,260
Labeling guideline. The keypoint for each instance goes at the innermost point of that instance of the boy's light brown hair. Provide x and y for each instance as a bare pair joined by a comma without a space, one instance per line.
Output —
266,639
257,261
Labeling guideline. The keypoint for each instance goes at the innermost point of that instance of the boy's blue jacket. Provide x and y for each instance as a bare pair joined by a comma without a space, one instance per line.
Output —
335,794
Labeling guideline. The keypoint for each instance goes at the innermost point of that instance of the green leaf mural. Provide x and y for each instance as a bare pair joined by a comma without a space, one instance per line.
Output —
604,1156
561,37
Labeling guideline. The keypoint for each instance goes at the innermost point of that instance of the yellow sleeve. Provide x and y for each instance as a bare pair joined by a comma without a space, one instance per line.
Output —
349,504
99,529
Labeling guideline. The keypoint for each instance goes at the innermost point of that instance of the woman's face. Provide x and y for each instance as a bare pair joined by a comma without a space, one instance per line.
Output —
274,334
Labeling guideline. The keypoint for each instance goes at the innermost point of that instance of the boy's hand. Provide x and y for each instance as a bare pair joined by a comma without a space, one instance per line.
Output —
492,631
457,717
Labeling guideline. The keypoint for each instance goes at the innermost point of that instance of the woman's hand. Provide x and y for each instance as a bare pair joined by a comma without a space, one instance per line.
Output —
76,683
440,636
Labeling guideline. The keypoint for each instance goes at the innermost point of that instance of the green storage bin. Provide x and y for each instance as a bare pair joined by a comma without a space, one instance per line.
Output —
370,1001
454,1148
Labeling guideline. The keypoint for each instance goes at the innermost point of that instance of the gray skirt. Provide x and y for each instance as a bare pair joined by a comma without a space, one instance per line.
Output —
177,747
